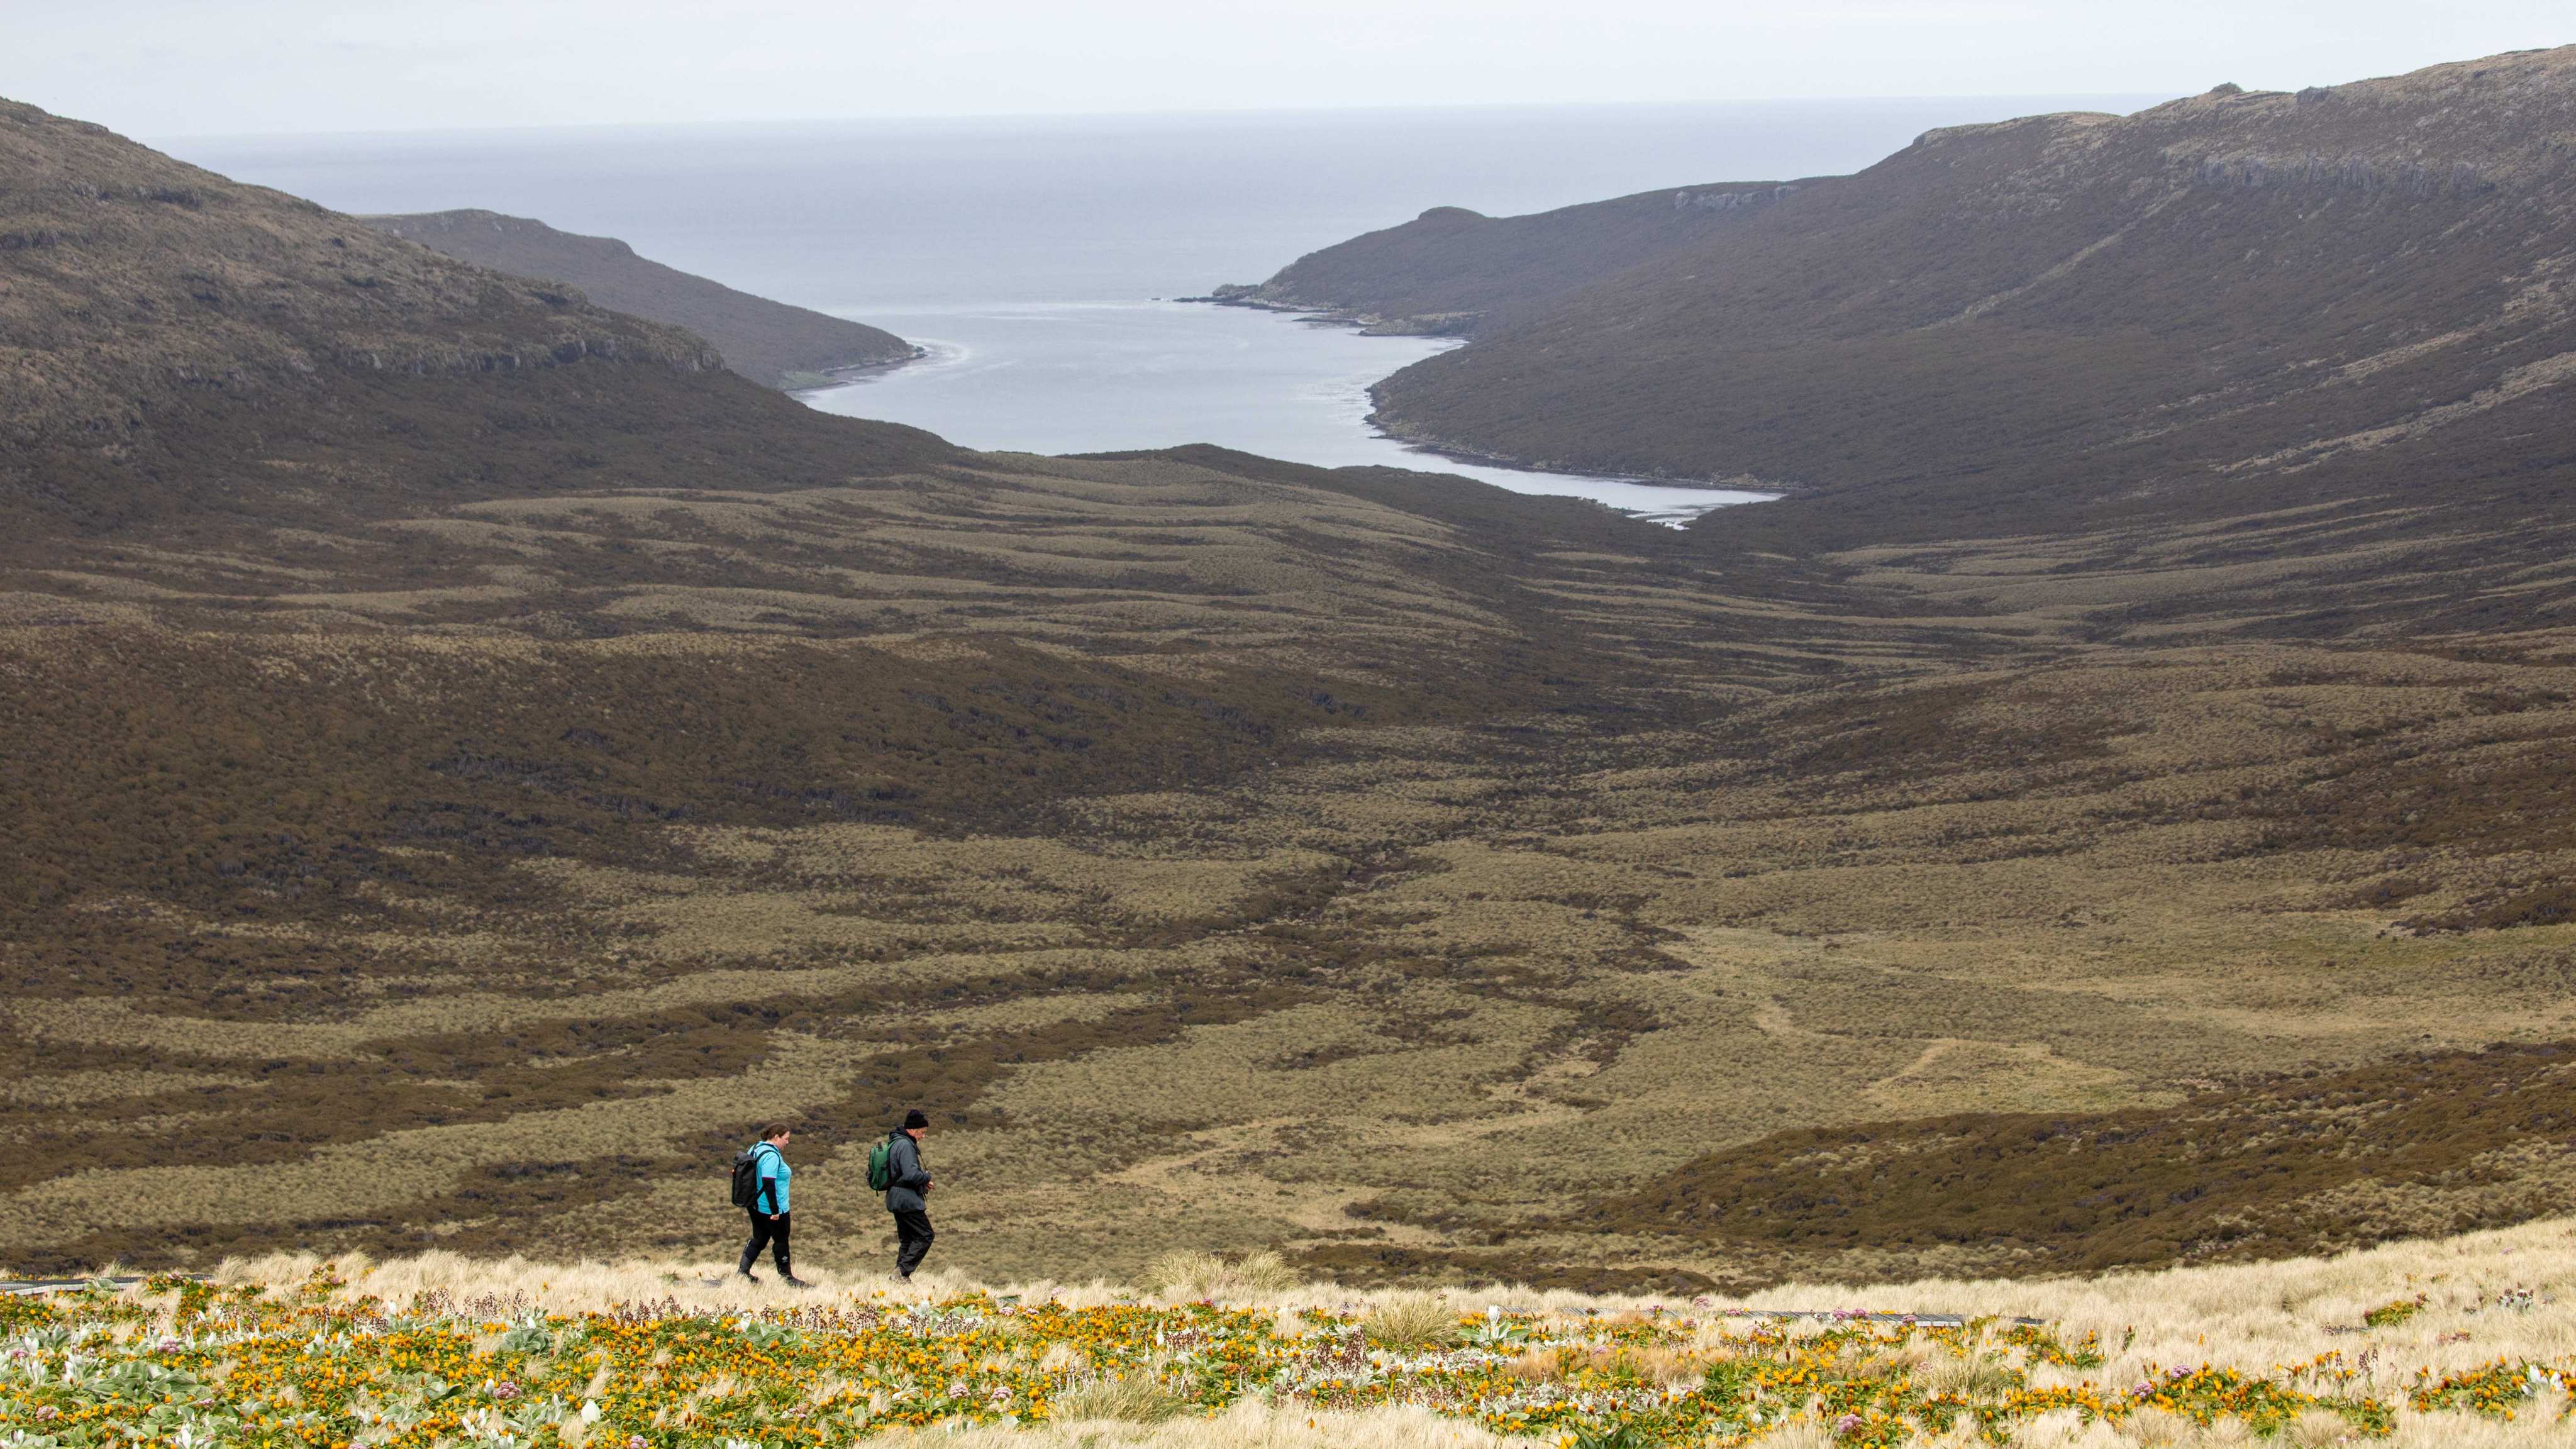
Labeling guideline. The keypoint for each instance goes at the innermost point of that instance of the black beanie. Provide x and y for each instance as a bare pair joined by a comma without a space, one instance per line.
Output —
915,1118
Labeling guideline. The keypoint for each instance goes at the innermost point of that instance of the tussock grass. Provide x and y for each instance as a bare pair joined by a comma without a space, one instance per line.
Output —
1198,1274
1135,1397
2296,1325
1412,1321
1250,1424
2511,1291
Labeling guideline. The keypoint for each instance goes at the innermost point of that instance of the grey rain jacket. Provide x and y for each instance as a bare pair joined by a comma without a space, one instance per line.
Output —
909,1179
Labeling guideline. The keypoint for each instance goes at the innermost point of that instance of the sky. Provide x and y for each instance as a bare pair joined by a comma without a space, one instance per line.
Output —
175,68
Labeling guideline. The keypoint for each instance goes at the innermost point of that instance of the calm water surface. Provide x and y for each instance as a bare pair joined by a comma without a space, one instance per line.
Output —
1027,253
1093,377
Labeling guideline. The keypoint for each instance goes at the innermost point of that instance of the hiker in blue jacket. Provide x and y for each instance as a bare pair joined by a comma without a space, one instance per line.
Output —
769,1207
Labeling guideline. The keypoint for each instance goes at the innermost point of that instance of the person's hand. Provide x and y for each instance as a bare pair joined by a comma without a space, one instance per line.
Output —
773,1217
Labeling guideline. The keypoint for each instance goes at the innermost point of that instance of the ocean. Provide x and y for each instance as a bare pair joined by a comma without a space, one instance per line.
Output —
1037,258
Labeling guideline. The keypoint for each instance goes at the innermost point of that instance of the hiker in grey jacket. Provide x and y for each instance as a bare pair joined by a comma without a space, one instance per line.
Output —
908,1198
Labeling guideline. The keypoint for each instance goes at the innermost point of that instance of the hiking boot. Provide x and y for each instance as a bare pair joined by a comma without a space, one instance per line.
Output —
792,1281
749,1277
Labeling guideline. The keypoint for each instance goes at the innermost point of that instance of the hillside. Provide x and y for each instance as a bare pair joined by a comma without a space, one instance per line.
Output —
769,342
1451,270
2224,302
2307,1164
2426,1345
471,760
180,350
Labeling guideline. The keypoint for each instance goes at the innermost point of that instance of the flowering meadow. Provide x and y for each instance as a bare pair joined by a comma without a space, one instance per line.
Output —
186,1363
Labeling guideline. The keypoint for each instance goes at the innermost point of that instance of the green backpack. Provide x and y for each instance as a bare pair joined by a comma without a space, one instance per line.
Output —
881,1165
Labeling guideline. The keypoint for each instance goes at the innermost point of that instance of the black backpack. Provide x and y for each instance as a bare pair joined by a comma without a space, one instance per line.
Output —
746,1175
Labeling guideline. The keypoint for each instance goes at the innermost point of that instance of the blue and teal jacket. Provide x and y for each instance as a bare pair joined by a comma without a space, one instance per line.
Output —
774,1173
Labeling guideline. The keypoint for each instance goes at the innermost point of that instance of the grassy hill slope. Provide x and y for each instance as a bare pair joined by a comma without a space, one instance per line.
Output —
769,342
178,347
2231,299
470,760
2420,1345
1452,270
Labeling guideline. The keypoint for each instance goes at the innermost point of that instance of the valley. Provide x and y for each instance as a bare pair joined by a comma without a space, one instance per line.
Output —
1092,831
472,758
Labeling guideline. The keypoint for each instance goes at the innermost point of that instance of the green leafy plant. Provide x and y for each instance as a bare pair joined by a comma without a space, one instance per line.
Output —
2389,1315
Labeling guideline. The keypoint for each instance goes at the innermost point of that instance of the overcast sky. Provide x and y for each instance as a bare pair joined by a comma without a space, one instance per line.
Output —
171,68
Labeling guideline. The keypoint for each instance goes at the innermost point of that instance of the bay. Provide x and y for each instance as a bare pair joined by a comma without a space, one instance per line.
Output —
1096,377
1028,254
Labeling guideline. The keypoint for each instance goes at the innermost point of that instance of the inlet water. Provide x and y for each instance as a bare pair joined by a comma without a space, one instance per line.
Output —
1028,254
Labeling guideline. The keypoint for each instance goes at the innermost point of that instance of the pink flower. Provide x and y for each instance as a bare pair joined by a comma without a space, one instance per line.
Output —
1849,1424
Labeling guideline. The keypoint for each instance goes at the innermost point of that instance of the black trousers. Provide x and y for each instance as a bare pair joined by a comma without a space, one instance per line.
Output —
912,1226
774,1234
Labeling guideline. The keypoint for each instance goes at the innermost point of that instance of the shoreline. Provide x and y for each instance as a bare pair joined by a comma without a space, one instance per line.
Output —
1367,324
1371,325
792,384
1318,410
1768,490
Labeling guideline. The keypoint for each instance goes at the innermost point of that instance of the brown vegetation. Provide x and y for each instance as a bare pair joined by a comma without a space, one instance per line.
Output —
453,806
183,352
769,342
2420,1146
2356,292
1451,270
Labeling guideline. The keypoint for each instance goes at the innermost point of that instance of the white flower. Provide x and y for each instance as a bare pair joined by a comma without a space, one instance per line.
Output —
590,1411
